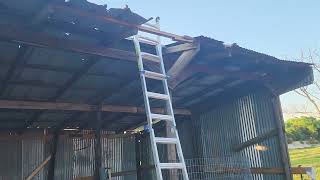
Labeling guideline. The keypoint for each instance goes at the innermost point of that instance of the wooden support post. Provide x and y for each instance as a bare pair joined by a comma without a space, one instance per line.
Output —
54,147
98,148
282,137
138,155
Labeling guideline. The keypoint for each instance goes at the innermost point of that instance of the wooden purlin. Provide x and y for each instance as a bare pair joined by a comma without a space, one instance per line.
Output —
36,105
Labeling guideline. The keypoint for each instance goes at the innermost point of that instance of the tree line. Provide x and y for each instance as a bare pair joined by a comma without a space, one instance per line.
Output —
303,129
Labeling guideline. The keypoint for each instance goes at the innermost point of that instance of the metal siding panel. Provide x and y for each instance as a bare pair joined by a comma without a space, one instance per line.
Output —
10,158
33,154
21,157
75,156
237,122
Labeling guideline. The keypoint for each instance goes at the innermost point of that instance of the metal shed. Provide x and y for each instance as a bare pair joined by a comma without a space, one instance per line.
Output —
64,64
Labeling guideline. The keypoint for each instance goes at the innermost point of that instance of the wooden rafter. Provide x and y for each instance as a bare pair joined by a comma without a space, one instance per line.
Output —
70,82
182,62
180,48
18,59
194,69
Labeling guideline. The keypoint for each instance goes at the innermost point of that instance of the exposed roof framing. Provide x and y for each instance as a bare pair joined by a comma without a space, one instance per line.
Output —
103,97
64,9
75,77
113,119
181,63
59,34
44,40
6,104
18,59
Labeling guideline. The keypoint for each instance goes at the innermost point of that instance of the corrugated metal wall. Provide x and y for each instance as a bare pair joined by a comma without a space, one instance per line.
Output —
74,158
236,122
19,157
210,135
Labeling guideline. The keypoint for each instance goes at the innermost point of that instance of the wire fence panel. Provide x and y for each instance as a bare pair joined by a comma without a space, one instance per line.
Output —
218,168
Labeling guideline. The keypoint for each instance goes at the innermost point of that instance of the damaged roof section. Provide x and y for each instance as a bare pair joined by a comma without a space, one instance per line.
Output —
74,19
74,56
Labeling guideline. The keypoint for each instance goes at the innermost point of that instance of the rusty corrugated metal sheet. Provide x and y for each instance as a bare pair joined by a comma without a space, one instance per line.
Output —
237,122
75,156
19,157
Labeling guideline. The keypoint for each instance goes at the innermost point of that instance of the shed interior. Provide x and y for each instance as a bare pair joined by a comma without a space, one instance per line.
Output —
62,62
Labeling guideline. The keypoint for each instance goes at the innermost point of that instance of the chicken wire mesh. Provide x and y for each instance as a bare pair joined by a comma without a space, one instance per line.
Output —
227,168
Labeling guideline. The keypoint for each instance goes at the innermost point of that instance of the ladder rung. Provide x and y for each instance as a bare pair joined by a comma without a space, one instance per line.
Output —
157,96
150,57
148,42
162,117
171,165
162,140
148,39
154,75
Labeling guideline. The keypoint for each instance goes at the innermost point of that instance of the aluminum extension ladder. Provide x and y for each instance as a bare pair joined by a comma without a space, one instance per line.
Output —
152,117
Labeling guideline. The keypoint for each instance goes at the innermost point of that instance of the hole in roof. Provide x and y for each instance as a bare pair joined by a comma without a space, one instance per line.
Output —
67,34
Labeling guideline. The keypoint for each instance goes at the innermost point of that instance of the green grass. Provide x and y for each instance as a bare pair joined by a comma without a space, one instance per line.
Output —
307,157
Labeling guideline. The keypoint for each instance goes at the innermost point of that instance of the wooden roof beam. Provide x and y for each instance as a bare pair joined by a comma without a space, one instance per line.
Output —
180,48
67,85
182,62
36,105
194,69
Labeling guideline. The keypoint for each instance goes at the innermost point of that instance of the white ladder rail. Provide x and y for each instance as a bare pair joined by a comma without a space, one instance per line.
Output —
147,108
165,97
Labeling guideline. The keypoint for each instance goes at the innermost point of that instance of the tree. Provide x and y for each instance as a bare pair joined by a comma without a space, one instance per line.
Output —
303,128
312,92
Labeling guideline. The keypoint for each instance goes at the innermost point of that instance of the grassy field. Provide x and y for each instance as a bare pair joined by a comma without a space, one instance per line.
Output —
306,157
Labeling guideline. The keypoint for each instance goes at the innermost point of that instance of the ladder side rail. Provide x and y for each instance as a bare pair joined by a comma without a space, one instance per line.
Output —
148,109
171,112
170,108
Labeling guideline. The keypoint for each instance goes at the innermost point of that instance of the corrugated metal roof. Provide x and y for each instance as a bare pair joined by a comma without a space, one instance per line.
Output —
47,74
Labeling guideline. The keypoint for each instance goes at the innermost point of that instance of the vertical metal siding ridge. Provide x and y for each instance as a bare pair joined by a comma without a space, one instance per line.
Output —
248,116
22,157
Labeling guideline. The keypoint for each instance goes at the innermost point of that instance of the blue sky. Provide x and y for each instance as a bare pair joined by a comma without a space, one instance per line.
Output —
281,28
